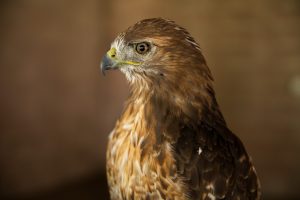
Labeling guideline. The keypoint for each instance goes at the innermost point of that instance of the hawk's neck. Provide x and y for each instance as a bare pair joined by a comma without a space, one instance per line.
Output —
151,113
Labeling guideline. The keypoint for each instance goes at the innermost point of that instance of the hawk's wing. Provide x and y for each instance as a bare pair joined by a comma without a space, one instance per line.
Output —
214,164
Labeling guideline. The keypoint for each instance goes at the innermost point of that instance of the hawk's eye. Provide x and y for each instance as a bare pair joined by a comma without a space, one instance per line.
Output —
142,47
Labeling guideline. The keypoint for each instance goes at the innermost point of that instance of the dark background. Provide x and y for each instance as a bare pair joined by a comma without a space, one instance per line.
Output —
57,109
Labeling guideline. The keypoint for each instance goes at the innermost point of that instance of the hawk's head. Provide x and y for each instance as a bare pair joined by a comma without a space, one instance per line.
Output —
157,50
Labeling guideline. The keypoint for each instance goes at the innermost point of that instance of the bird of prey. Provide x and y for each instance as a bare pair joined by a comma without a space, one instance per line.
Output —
171,141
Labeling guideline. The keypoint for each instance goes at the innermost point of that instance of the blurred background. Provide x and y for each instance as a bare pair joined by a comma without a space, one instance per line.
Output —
57,109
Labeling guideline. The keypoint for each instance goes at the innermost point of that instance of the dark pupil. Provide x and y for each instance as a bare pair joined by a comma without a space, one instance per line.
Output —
142,48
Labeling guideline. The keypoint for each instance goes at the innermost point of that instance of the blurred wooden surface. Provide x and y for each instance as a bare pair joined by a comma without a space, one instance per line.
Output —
57,109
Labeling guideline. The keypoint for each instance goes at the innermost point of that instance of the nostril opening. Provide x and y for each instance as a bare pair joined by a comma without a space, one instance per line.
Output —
112,53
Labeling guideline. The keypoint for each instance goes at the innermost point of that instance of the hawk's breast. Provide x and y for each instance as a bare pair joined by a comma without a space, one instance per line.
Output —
137,170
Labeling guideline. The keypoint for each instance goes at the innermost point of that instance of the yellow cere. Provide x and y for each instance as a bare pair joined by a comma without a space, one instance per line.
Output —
112,54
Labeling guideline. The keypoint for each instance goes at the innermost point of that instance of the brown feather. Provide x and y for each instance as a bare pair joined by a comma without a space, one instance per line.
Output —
172,141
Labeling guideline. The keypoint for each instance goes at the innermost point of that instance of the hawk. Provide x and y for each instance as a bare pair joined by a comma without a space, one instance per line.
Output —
171,141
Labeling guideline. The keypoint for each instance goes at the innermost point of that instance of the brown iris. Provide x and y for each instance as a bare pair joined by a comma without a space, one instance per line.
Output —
142,47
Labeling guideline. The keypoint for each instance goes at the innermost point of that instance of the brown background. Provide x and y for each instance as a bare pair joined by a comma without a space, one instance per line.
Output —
57,109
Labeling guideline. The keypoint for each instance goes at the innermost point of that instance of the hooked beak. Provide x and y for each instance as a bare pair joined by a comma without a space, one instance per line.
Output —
109,61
